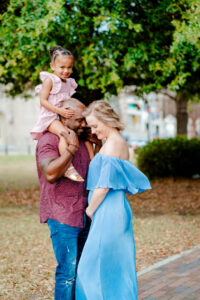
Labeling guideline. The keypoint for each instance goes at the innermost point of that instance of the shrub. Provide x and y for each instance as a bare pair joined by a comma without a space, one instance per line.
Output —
170,157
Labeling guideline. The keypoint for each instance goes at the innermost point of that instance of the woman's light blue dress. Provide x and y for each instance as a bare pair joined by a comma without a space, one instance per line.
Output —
107,269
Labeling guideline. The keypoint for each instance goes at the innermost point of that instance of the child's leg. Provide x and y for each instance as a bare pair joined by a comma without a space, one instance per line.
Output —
56,127
90,149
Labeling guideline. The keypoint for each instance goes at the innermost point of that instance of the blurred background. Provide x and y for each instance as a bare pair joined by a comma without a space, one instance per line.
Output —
144,58
145,119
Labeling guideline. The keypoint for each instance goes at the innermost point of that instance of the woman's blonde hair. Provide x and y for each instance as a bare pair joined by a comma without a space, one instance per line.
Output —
104,112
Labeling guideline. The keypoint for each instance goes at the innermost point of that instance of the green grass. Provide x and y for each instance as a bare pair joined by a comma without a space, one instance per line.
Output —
17,172
7,159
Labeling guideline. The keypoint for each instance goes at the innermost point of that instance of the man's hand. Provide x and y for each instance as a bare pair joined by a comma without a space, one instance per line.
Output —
54,168
92,138
71,138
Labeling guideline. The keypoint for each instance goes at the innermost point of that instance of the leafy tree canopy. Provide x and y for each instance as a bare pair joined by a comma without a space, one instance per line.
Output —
151,44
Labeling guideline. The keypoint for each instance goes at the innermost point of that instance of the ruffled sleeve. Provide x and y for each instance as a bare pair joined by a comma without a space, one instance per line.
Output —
117,174
55,81
72,85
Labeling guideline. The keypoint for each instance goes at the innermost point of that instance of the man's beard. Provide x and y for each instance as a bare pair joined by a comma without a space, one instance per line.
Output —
83,134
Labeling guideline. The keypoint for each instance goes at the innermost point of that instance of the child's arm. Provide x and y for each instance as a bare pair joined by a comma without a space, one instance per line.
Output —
97,197
46,88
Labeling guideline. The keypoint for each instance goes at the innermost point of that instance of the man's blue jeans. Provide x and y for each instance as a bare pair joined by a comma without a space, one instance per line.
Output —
67,243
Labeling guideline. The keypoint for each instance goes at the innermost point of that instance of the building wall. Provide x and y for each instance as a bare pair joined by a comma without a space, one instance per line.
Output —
17,117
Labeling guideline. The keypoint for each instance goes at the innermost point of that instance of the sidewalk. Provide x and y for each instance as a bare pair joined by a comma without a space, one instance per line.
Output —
177,277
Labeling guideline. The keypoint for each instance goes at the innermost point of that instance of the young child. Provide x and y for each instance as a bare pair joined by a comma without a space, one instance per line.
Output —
56,88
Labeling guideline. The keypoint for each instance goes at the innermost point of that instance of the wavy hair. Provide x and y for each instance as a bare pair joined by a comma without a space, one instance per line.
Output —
104,112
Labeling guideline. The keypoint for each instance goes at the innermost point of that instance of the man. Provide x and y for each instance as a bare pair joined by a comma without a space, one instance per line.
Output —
63,201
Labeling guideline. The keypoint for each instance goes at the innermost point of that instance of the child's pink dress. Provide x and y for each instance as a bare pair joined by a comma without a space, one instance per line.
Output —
60,91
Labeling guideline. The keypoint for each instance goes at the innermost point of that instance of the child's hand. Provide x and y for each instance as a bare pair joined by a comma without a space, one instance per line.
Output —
66,112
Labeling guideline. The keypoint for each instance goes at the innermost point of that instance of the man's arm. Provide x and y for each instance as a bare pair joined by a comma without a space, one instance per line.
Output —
97,147
54,168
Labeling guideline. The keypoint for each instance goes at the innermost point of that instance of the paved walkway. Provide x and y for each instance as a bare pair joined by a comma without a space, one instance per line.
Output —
177,277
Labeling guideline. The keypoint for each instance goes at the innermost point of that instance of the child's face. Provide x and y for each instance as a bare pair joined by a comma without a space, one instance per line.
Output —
62,66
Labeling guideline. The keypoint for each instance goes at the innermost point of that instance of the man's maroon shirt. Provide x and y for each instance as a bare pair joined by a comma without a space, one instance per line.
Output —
63,200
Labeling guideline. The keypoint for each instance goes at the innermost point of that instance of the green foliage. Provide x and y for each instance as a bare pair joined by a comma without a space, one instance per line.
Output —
150,44
170,157
3,6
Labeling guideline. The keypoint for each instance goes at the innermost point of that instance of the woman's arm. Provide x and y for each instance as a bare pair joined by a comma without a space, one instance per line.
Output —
97,198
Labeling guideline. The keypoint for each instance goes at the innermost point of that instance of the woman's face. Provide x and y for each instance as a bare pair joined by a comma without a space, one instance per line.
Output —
98,127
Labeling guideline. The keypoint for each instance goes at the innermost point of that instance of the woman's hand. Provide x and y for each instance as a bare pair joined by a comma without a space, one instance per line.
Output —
66,112
89,213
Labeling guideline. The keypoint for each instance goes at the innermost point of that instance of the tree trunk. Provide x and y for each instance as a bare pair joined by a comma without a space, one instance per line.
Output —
181,115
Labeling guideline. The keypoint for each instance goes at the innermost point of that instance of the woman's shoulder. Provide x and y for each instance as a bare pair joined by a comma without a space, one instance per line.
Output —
117,148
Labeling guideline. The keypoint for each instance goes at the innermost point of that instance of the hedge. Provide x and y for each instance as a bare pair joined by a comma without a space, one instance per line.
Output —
178,157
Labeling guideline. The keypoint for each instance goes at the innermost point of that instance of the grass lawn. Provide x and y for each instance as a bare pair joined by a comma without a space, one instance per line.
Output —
17,172
166,221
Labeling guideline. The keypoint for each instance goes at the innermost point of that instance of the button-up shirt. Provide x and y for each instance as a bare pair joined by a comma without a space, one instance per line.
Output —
64,200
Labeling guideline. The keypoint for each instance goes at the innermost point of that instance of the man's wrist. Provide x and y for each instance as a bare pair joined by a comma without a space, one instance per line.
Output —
72,149
99,143
72,153
73,145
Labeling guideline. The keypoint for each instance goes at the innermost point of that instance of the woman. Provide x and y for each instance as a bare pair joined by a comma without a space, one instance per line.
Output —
107,268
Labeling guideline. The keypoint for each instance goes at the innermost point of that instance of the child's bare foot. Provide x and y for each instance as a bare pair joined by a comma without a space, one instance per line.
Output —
72,174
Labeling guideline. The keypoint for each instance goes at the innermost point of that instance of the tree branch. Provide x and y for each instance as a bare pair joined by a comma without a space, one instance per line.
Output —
167,93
